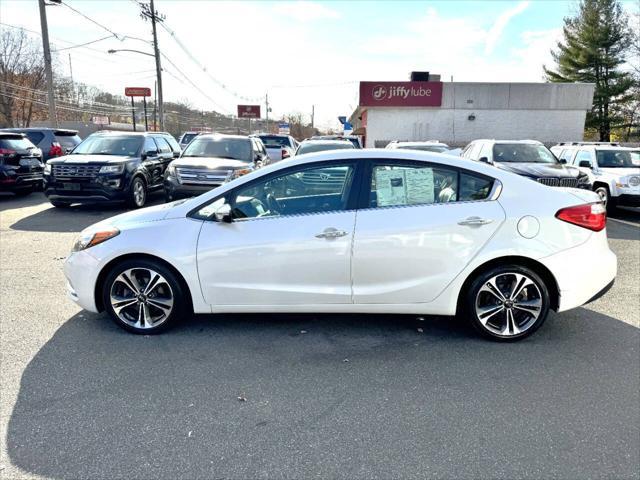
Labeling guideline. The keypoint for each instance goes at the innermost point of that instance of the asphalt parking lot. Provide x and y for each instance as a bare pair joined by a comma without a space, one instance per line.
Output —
328,396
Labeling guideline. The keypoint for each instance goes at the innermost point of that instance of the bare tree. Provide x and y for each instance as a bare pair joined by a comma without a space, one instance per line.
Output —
21,76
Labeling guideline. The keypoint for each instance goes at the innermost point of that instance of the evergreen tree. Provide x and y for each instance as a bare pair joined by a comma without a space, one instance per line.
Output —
594,50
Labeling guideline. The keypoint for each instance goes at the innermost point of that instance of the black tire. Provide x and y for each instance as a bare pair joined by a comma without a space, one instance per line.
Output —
522,323
139,269
59,204
605,195
137,196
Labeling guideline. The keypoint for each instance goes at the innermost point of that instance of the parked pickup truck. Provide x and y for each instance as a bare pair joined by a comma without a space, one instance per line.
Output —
279,147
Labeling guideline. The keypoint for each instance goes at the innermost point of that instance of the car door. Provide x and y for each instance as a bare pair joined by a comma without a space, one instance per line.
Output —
289,241
151,161
165,155
423,225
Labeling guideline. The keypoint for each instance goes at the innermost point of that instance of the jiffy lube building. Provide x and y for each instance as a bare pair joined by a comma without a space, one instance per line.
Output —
458,112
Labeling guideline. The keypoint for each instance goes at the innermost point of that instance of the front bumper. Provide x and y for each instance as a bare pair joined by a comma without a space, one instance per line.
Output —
81,270
102,189
627,200
175,190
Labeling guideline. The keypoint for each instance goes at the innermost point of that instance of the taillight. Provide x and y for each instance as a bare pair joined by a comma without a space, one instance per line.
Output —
592,216
7,152
285,153
56,150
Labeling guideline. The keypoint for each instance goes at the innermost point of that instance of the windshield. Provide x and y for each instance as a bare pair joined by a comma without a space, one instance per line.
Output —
187,137
321,147
522,153
109,145
618,158
235,148
274,141
425,148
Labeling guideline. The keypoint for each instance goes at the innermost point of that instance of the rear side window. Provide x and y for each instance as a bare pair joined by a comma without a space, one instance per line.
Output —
187,137
35,137
17,143
404,185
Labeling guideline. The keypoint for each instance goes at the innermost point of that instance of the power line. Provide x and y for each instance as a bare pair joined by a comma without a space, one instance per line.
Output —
81,44
91,20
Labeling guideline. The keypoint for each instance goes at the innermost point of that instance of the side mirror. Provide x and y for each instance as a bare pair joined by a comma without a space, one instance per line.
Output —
176,154
151,153
563,161
585,164
484,160
223,214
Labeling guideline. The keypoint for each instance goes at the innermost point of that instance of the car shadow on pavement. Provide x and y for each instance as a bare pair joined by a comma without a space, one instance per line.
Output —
348,396
74,218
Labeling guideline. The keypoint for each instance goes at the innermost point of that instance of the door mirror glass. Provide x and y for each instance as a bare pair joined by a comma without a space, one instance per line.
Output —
223,214
585,163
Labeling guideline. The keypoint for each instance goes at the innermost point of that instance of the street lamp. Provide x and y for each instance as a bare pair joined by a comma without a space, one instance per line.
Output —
159,80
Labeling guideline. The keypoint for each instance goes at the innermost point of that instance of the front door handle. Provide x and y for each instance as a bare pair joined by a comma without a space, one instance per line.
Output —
331,233
474,221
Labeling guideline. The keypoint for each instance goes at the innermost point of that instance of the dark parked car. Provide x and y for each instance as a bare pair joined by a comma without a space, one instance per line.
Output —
210,160
54,142
527,158
111,166
20,164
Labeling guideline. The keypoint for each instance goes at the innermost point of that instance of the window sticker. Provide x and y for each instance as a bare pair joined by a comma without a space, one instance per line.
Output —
404,186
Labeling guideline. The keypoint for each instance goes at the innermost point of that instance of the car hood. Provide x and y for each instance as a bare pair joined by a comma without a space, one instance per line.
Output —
539,170
210,163
143,215
84,159
620,172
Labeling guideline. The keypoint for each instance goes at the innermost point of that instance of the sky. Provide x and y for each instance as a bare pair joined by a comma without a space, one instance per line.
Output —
303,54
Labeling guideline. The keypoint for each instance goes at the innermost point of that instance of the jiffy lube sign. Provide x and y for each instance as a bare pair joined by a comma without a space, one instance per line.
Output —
400,94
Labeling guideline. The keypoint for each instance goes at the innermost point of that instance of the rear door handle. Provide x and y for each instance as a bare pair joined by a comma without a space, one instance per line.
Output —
331,233
474,221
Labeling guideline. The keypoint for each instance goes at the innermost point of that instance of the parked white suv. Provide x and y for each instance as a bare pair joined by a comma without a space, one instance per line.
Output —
614,170
425,146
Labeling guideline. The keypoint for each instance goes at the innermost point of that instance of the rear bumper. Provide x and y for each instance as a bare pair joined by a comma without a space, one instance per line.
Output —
20,182
583,273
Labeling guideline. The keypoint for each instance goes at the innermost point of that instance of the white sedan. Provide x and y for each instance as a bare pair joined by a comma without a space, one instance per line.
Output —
368,231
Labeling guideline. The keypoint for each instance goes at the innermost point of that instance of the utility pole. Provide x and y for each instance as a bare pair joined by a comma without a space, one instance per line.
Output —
266,107
149,12
47,64
313,115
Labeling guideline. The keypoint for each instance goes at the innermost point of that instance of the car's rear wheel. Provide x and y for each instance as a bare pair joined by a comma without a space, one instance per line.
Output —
137,193
507,303
143,296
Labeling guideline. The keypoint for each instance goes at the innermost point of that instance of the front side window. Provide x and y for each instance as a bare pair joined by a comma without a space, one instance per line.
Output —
149,145
522,153
163,145
616,159
110,145
566,155
582,156
309,190
403,185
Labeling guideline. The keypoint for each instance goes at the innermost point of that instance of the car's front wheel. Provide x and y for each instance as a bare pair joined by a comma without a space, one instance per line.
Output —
143,296
137,193
507,303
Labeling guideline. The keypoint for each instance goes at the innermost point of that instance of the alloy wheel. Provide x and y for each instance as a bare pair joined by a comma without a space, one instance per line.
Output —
508,304
603,194
141,298
138,193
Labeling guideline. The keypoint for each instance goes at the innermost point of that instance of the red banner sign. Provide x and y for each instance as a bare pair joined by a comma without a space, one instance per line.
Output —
248,111
400,94
137,92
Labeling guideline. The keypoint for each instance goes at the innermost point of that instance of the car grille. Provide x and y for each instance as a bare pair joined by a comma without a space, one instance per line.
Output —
76,171
559,182
202,177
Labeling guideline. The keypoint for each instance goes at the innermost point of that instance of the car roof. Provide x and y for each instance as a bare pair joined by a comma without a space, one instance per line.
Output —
223,135
429,142
524,142
123,132
63,131
6,134
317,141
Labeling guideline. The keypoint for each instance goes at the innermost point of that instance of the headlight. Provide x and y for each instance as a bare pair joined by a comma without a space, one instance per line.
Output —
89,239
171,171
47,168
112,168
634,181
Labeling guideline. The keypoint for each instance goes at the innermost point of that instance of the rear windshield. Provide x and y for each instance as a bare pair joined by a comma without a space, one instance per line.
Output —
321,147
187,137
232,148
17,143
618,158
68,141
111,145
275,141
522,153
